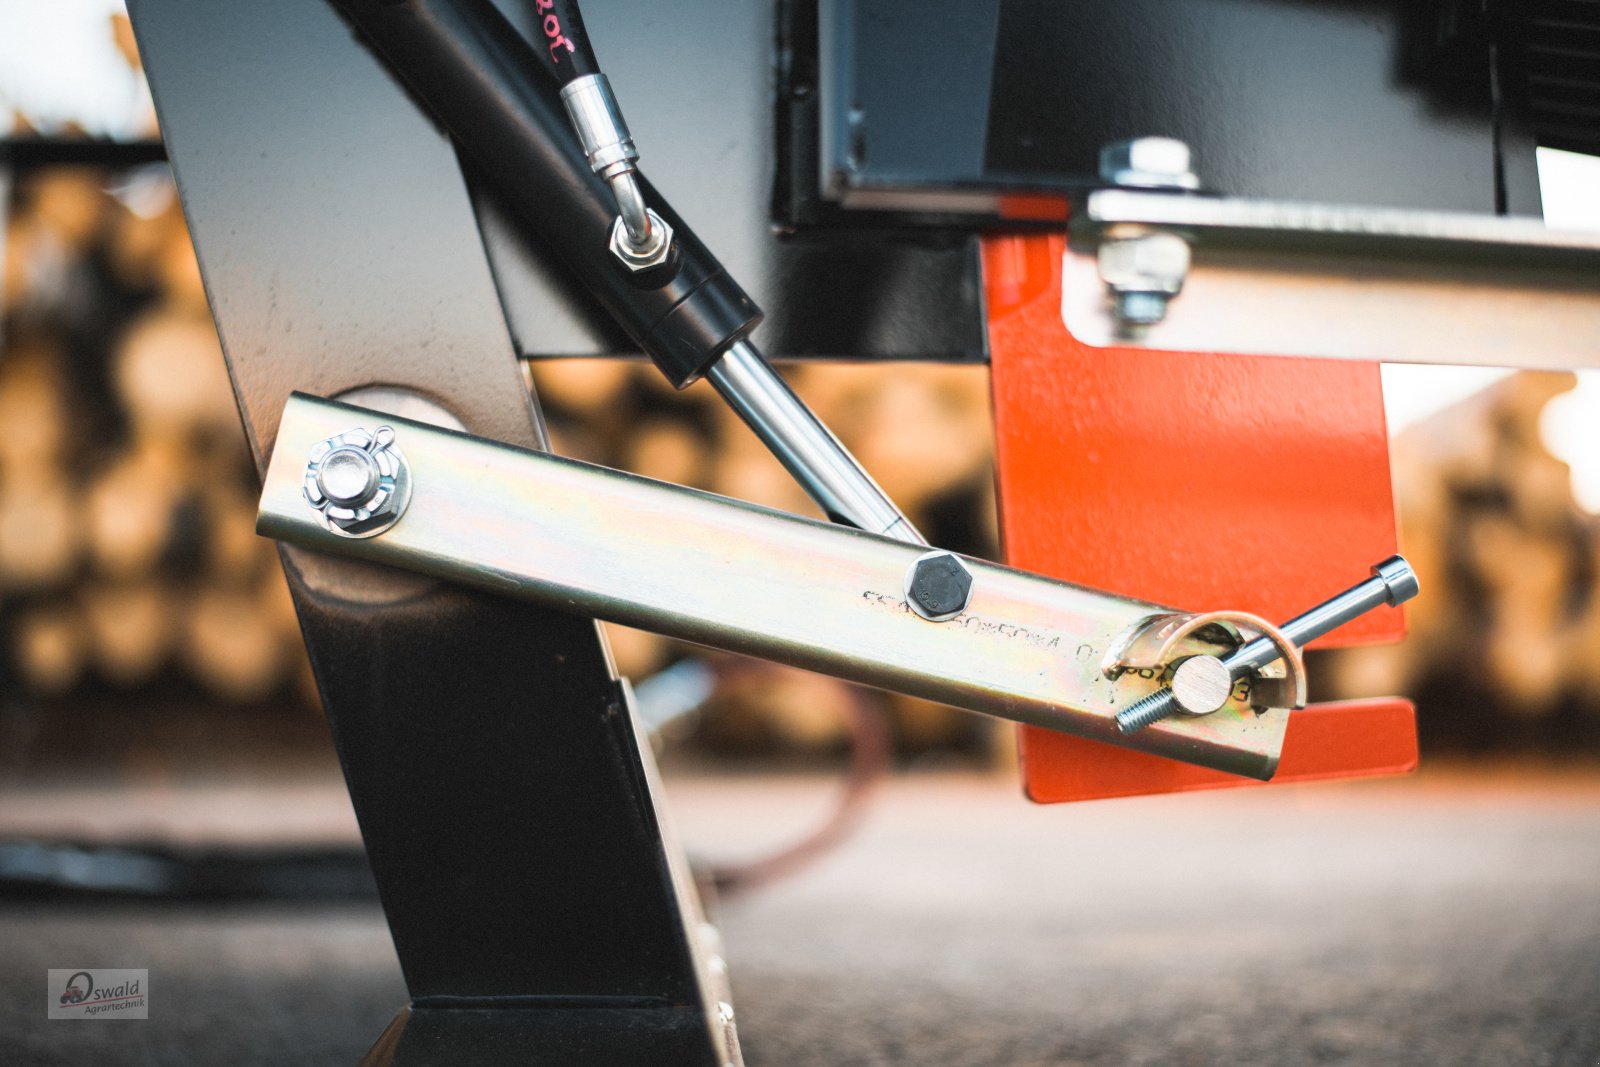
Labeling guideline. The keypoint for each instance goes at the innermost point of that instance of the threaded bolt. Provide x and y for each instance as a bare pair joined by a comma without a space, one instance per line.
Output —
1152,708
1393,583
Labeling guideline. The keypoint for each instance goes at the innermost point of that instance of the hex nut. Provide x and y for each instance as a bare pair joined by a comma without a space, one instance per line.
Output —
659,252
1143,272
938,585
1148,163
1146,263
357,482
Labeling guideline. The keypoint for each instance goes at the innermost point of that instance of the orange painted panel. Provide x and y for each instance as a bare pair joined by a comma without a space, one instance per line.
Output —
1198,481
1349,739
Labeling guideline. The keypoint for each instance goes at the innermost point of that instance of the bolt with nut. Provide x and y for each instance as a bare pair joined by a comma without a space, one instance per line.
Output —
654,252
358,482
1144,269
1143,272
1148,163
1201,684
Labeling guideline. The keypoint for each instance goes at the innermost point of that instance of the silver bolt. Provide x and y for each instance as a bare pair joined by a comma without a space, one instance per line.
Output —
1201,684
938,585
348,476
1145,270
358,482
1393,583
1148,163
1140,309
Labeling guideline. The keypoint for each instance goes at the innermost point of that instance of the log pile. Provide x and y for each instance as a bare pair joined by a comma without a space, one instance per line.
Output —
1504,645
128,558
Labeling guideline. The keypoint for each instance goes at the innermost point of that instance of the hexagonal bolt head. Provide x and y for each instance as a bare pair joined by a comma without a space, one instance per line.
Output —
1148,163
938,585
637,260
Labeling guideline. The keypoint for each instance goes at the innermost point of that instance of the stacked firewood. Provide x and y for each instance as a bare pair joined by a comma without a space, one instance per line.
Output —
1504,645
127,549
128,559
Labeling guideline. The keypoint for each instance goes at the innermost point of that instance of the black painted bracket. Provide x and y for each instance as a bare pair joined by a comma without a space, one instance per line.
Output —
504,797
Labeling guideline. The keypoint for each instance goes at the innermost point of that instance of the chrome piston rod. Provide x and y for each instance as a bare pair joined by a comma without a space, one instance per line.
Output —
807,449
720,572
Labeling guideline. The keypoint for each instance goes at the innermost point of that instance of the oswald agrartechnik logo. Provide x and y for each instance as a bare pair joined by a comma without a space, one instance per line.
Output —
98,993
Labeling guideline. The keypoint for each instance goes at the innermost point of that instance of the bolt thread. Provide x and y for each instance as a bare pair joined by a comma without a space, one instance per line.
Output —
1156,706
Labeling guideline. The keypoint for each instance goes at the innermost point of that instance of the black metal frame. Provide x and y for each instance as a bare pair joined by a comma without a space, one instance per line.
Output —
897,107
502,791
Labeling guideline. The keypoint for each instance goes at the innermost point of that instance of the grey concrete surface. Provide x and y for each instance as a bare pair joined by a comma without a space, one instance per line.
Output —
1451,919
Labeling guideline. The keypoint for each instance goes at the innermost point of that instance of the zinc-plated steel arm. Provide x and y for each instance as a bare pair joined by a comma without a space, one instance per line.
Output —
732,575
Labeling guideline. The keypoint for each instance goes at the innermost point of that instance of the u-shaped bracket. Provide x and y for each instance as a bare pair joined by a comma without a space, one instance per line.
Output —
1158,640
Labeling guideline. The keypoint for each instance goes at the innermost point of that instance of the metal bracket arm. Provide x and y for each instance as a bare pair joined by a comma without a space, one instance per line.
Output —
747,579
1333,281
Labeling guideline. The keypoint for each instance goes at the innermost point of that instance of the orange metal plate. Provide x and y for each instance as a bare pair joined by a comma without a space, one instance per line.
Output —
1198,481
1349,739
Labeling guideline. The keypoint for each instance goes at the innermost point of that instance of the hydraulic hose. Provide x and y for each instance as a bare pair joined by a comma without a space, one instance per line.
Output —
567,53
558,171
479,77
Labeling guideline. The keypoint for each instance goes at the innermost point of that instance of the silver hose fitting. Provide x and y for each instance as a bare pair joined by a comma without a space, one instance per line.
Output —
631,209
644,239
593,109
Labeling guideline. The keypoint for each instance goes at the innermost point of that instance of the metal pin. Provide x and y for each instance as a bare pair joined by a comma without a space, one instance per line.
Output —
1393,583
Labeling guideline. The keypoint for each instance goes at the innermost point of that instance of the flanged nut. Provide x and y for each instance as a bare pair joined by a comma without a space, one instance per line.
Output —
658,252
938,585
1148,163
358,482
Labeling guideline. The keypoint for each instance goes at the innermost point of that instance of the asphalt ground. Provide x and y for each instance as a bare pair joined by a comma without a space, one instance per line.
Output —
1451,918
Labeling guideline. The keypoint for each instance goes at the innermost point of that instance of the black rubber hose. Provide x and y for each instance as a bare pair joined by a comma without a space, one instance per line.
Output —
567,53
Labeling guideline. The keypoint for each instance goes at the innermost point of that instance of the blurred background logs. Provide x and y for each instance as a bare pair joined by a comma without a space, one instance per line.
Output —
128,558
129,567
1504,650
130,571
131,576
